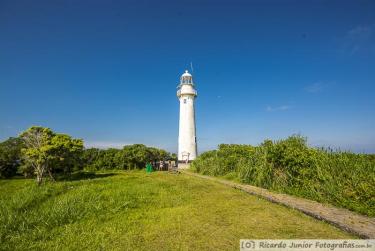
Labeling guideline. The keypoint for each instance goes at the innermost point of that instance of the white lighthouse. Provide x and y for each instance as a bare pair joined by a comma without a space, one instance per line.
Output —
187,140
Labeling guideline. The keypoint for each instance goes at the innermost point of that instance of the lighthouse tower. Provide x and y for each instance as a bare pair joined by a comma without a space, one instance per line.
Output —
187,140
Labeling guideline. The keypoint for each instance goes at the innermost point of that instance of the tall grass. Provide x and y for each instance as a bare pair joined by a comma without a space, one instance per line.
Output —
343,179
133,210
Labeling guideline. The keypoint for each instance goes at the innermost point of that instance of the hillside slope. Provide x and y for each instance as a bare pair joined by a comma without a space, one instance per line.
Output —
133,210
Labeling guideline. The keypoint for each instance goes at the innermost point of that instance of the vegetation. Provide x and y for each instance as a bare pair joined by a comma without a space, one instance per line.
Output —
341,178
40,152
129,157
87,209
10,157
132,210
46,151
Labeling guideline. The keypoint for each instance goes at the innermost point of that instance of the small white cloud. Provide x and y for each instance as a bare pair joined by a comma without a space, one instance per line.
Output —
106,144
315,87
319,86
278,108
360,39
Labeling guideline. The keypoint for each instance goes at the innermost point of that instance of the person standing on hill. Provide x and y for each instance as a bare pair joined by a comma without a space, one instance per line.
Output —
148,167
161,166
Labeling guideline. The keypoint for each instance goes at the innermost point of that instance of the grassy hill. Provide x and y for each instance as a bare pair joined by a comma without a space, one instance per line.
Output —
136,211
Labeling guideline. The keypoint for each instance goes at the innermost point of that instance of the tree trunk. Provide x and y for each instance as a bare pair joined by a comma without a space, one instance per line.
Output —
39,174
50,175
39,178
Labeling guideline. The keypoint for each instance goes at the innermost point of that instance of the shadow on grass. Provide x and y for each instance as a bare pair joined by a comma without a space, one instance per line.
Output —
85,176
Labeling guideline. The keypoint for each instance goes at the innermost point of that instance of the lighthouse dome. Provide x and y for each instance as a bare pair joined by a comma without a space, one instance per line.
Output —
186,74
186,78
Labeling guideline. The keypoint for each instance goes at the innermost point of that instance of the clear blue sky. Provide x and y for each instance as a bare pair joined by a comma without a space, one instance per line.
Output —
107,71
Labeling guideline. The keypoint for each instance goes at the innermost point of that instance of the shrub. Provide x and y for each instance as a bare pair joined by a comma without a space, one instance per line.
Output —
341,178
129,157
10,157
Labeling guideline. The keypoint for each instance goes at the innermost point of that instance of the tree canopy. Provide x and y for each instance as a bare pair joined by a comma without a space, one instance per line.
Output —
129,157
10,157
48,152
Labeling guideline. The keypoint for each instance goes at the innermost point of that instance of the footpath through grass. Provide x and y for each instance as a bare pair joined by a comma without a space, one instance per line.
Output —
131,210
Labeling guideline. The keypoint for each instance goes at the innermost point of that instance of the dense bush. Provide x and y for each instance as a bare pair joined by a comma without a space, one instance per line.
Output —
341,178
10,157
129,157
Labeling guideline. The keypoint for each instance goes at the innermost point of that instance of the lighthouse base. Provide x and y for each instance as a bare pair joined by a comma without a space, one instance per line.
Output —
183,165
184,161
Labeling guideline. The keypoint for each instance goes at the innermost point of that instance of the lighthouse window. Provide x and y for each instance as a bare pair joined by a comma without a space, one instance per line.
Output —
185,101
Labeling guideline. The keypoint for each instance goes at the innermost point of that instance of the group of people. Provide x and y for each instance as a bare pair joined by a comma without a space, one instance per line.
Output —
161,165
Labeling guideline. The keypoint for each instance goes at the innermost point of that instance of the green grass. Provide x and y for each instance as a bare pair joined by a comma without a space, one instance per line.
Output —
132,210
290,166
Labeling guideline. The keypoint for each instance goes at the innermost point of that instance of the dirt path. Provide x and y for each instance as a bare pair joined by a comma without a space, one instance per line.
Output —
347,220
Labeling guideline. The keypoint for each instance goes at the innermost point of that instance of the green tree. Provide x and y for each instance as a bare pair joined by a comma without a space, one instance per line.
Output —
90,157
174,156
129,157
10,157
37,142
48,152
65,154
